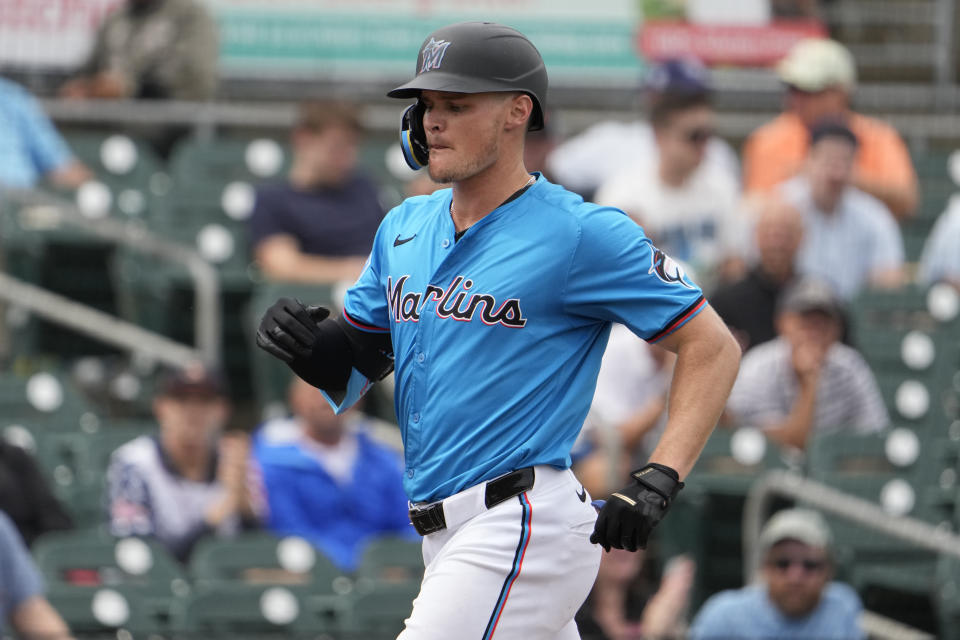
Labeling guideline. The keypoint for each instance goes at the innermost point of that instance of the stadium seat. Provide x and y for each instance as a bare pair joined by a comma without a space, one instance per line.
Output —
127,166
72,261
138,568
249,611
226,159
264,559
893,470
45,399
102,612
378,611
392,560
906,308
732,459
947,598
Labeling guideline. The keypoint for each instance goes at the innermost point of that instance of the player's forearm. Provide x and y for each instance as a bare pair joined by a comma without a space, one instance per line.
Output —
705,371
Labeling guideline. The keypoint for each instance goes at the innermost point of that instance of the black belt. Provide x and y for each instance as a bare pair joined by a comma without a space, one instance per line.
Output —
430,519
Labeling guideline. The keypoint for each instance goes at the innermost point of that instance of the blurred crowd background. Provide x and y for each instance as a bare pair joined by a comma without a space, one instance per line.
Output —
168,168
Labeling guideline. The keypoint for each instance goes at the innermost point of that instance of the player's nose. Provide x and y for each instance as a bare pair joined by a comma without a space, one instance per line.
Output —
432,121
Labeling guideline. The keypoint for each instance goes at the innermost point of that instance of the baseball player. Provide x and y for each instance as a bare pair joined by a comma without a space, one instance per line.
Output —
492,301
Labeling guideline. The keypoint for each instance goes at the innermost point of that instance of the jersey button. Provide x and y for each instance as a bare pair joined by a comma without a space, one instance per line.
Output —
421,357
409,473
415,417
445,243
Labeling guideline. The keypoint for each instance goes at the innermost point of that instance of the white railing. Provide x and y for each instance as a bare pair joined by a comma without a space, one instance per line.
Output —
84,319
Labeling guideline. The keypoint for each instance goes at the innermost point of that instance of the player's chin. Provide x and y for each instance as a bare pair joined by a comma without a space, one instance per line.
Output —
441,171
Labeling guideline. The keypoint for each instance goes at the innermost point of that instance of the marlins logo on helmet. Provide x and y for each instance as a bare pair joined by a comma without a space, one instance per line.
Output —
433,54
667,269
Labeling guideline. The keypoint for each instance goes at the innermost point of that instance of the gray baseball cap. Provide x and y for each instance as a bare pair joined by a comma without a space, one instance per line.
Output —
802,525
810,294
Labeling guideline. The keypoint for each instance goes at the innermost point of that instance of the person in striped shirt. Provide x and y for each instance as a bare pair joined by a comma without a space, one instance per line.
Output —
805,380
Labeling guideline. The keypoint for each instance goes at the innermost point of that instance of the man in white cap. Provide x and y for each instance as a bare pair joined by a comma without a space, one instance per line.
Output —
797,598
820,76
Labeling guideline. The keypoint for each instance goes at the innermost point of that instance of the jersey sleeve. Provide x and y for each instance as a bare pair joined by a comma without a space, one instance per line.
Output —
617,275
365,308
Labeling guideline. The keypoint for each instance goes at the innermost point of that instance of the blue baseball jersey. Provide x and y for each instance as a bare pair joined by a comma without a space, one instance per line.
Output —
498,336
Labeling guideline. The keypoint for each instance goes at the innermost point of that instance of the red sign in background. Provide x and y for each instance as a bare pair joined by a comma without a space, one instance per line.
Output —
745,46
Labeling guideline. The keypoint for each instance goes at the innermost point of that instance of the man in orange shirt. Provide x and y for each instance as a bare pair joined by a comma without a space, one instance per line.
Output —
820,75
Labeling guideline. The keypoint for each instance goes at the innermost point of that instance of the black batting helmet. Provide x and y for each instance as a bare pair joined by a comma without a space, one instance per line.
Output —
476,57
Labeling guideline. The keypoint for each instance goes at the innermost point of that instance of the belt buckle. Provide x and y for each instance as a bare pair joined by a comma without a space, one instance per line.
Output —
428,518
507,486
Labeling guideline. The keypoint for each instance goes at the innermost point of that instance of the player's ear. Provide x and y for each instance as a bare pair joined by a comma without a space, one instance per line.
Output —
520,110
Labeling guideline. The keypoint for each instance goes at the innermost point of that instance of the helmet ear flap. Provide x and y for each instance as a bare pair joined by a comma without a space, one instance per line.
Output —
413,138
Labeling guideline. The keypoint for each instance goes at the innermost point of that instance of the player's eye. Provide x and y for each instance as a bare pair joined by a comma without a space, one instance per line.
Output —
456,108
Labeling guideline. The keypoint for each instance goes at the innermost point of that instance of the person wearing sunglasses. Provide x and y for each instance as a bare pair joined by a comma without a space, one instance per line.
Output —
797,597
819,77
684,203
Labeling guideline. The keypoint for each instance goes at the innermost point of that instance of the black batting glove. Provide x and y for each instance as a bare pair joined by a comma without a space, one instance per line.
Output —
629,515
289,331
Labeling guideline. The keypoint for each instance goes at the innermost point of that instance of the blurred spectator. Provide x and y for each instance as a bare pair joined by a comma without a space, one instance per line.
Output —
623,605
850,238
25,495
22,603
820,75
941,252
797,599
151,49
189,481
749,304
687,206
326,480
584,162
628,410
805,380
319,225
31,150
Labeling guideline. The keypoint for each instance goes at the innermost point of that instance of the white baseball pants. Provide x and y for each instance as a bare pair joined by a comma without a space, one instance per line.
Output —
517,571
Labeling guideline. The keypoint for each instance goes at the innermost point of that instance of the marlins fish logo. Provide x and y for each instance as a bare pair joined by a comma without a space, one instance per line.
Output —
432,54
667,269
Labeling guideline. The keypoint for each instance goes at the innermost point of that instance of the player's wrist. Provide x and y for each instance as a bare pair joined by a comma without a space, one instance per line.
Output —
660,479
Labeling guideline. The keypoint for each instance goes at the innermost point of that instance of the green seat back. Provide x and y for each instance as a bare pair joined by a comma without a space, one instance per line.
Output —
249,611
392,560
264,559
101,612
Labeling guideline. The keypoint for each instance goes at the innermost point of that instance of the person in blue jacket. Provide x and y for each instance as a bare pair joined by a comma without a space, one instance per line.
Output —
325,479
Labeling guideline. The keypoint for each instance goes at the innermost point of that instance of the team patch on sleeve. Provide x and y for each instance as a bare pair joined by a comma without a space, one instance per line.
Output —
668,269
